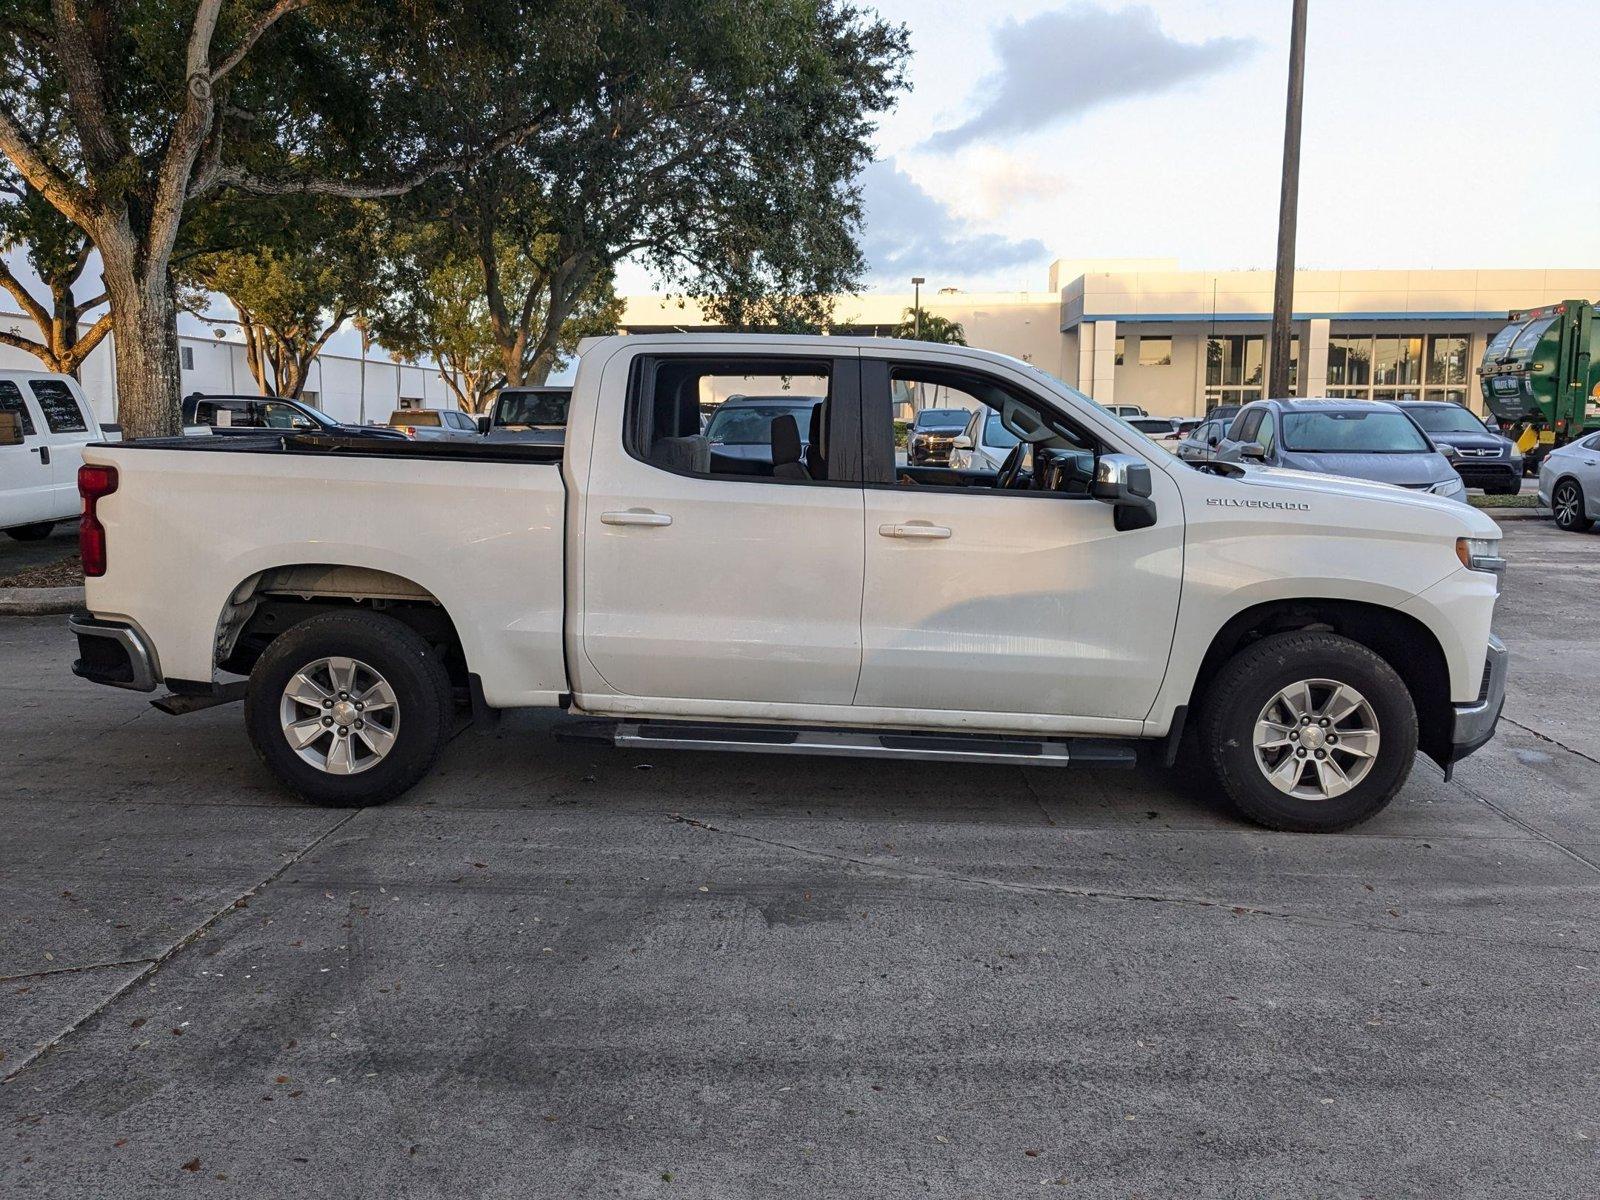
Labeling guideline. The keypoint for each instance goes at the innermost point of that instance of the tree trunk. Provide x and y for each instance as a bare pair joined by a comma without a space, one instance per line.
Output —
145,313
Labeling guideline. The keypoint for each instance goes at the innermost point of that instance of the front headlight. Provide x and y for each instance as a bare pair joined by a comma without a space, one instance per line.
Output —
1448,487
1480,554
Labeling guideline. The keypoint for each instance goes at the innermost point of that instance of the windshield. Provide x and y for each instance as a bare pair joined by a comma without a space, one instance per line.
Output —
751,424
531,408
1352,432
943,418
996,435
1447,420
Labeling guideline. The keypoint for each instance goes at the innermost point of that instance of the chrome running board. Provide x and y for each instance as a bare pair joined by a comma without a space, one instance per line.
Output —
854,743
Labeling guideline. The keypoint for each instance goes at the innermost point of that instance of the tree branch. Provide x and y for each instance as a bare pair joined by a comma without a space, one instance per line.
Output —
253,35
35,311
69,197
174,179
84,346
38,349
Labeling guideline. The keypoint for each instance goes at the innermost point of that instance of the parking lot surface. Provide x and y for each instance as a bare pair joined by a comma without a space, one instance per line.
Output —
561,971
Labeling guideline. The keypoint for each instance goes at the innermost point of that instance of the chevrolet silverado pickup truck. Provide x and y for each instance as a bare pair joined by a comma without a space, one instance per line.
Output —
1090,599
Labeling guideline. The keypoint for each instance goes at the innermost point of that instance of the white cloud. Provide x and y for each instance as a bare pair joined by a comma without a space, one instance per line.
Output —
910,231
1060,64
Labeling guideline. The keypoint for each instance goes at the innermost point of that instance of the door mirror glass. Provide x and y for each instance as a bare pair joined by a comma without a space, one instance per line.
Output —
10,429
1123,481
962,442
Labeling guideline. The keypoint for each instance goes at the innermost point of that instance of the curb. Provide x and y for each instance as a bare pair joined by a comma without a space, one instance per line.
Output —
40,602
1516,514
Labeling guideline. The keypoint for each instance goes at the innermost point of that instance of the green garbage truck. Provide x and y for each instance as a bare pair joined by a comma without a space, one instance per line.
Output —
1541,377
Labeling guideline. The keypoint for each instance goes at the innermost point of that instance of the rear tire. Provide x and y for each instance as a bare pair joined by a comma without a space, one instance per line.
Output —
1567,506
1239,706
36,532
384,650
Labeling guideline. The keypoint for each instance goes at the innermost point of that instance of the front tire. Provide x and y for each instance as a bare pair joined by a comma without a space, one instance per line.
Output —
1567,506
348,709
36,532
1309,732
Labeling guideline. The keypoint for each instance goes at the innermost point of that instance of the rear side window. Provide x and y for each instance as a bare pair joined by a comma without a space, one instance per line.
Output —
62,413
11,402
770,418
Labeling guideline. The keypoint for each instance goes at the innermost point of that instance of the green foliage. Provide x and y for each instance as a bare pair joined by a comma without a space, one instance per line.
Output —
932,328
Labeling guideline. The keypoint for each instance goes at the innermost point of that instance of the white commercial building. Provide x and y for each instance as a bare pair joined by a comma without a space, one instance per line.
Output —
340,384
1134,331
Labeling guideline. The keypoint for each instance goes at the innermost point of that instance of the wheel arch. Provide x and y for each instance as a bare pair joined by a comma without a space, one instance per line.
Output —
1401,640
269,602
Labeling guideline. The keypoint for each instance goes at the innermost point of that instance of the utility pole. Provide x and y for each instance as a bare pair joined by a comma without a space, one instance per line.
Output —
916,306
1288,209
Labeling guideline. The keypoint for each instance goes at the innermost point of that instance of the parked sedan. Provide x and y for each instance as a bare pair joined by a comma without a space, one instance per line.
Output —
1200,443
1569,482
933,434
1359,439
1482,457
256,414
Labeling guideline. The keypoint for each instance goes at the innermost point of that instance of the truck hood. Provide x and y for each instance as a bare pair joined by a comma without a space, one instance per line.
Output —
1279,483
1406,470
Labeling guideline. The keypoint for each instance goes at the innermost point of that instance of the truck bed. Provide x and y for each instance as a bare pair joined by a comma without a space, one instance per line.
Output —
209,524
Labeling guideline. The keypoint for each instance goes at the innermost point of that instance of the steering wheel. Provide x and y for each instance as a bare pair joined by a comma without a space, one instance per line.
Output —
1006,478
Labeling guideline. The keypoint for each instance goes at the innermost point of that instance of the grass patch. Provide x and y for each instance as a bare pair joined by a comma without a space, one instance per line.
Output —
1525,500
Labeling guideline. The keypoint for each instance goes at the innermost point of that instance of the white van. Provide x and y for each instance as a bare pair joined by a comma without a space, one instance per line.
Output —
41,449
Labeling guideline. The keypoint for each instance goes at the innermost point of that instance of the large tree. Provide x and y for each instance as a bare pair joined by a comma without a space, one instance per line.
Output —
716,140
299,272
58,252
166,103
439,303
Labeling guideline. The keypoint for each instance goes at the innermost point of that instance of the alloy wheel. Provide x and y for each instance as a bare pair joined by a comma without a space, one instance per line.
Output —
1565,505
340,715
1316,739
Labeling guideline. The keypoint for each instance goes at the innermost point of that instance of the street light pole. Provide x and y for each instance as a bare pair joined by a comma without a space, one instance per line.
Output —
916,306
1288,210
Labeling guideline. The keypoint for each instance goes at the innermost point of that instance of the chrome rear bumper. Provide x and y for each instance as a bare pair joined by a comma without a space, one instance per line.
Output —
112,653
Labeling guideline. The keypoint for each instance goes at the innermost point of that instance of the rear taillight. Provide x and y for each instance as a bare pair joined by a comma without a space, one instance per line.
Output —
93,483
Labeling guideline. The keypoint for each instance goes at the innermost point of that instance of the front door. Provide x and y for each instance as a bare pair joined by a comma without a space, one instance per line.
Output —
723,570
69,421
986,599
27,475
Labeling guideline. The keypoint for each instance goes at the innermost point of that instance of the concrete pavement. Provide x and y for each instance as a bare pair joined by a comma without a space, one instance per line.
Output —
561,971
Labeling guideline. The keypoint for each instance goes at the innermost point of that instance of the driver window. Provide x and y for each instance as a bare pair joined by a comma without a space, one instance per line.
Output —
1264,436
960,429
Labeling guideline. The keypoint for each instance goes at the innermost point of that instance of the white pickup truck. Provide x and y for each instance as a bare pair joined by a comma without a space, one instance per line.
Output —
45,422
1092,597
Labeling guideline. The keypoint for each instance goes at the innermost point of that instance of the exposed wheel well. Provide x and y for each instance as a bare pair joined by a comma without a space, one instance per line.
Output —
270,602
1402,641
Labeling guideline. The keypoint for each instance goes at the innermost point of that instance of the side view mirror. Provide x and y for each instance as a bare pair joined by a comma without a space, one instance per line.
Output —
1449,451
485,422
1252,450
10,429
962,442
1123,481
1214,440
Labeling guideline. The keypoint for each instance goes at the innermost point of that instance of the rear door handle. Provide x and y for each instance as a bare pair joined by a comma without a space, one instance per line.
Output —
926,532
635,516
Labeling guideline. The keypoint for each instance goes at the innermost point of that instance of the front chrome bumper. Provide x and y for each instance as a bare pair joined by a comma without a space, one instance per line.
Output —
1474,723
112,653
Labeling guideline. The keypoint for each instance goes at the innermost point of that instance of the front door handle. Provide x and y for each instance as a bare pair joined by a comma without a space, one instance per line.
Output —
44,455
926,532
635,516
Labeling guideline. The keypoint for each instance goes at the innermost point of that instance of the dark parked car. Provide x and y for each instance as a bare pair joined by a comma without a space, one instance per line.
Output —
254,414
741,428
1359,439
933,434
1483,458
530,414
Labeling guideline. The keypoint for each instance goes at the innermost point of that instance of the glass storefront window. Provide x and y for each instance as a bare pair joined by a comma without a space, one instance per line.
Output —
1447,358
1155,352
1349,361
1397,360
1121,346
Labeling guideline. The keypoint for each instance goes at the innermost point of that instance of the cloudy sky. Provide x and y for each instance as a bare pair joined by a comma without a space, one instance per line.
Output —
1438,133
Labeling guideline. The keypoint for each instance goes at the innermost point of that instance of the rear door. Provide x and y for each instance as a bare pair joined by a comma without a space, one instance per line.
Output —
1020,601
707,589
27,476
69,427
